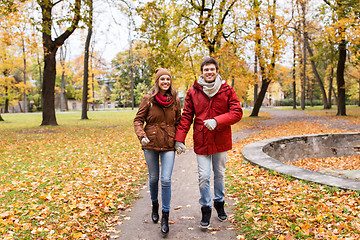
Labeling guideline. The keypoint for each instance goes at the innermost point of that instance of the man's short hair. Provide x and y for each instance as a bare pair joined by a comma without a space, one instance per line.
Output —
209,60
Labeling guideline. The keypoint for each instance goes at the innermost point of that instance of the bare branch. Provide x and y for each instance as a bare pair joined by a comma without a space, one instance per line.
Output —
55,3
61,39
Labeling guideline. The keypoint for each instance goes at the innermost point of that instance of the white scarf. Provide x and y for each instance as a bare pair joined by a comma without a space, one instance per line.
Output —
210,89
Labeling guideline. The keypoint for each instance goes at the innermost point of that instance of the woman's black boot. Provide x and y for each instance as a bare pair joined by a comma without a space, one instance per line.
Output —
155,211
205,219
219,206
165,222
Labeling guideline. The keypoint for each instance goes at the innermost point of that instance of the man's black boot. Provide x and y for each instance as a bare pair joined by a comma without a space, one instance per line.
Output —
206,214
219,206
165,222
155,211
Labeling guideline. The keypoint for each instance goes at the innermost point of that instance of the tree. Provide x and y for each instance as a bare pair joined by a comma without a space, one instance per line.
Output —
208,21
268,45
86,64
125,71
345,16
233,68
62,58
294,72
50,47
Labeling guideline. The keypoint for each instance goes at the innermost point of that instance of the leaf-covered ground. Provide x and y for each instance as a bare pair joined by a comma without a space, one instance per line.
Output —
71,181
274,206
315,164
67,182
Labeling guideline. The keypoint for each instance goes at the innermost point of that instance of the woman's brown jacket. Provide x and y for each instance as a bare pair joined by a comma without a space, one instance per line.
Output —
161,123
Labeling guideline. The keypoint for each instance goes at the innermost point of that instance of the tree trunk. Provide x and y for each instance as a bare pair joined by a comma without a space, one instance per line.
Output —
40,77
266,78
24,59
62,91
86,76
335,96
256,5
294,74
66,103
317,76
50,47
303,84
6,110
1,119
21,110
359,94
132,90
330,85
86,67
264,86
256,86
311,91
340,79
93,91
48,89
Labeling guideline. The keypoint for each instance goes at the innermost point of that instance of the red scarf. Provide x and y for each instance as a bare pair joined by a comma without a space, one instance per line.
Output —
163,100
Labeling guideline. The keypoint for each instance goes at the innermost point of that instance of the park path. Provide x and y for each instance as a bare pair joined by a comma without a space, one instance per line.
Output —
137,223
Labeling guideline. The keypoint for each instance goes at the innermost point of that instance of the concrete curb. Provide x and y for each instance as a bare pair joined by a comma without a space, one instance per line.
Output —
254,154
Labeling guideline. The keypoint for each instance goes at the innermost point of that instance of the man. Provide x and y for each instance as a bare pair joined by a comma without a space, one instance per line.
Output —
215,106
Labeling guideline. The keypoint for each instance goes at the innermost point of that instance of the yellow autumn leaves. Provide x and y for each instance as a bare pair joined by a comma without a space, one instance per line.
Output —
273,206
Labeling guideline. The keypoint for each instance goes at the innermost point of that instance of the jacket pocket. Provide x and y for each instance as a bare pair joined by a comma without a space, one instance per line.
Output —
151,133
171,136
223,135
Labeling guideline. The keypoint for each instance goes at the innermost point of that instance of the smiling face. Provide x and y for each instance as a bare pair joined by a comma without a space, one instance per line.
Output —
209,72
164,83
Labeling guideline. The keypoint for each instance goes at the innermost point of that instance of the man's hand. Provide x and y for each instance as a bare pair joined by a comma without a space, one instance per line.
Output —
145,141
179,147
210,124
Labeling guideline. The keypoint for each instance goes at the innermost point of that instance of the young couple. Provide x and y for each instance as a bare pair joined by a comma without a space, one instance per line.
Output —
215,106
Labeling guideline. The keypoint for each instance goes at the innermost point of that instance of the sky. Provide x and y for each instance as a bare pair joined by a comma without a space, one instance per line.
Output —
110,33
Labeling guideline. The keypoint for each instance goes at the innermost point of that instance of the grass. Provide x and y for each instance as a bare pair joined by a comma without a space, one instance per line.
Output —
67,181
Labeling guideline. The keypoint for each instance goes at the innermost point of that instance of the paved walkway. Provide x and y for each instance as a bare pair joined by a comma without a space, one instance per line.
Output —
137,223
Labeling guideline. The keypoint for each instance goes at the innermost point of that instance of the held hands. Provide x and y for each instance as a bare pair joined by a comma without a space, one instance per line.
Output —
144,141
210,124
179,147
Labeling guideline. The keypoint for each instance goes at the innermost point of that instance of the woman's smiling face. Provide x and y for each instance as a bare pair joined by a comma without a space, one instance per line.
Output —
164,83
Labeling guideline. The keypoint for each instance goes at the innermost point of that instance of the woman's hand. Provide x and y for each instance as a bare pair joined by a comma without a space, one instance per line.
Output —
145,141
179,147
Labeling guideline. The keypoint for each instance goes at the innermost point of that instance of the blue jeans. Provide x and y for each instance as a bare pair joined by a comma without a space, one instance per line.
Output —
218,161
167,159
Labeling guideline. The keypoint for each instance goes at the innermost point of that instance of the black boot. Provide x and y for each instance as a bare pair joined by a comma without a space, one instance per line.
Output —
155,212
165,222
219,206
206,214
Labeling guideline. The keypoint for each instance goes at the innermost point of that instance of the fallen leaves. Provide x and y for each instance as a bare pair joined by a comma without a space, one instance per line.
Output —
69,183
343,162
273,206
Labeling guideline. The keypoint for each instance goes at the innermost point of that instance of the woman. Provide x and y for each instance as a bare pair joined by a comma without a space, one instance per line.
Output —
160,110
